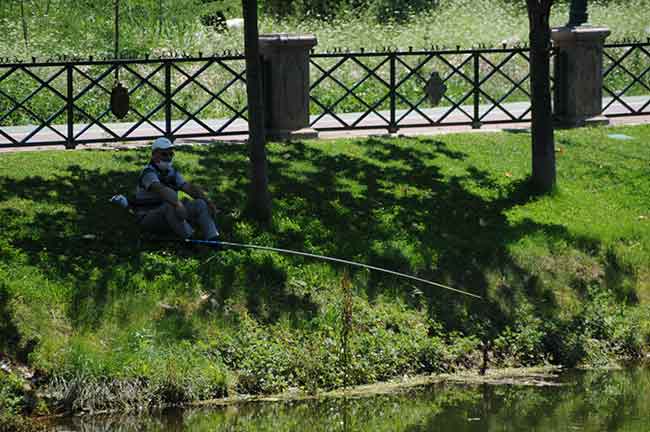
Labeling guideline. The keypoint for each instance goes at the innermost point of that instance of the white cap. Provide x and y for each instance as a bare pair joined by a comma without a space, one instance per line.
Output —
161,143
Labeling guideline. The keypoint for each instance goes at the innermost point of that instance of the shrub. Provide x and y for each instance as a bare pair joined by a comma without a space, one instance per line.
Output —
600,331
12,398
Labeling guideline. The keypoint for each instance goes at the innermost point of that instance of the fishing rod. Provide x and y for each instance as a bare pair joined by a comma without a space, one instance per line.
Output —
327,258
124,202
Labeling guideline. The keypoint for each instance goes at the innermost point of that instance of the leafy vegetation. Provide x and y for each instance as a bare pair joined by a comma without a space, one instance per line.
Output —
114,325
63,27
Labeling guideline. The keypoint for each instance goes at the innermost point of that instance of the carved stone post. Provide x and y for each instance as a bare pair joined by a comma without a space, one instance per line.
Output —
286,80
578,96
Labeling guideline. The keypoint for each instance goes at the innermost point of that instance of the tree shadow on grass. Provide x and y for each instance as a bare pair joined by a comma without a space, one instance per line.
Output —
9,336
65,227
391,206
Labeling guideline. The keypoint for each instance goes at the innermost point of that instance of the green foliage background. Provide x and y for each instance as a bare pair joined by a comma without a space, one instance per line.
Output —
66,27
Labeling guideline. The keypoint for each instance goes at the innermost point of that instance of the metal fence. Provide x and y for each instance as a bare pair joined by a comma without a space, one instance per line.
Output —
484,86
67,102
387,89
626,79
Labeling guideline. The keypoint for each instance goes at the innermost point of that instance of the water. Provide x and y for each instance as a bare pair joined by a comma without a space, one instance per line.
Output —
584,401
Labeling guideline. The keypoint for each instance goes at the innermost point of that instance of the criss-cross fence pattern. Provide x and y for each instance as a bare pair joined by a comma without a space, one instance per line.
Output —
68,102
626,79
387,89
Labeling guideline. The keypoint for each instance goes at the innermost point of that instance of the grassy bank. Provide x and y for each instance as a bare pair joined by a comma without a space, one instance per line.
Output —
105,324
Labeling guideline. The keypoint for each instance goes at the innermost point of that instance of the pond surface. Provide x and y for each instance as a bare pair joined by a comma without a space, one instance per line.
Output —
579,401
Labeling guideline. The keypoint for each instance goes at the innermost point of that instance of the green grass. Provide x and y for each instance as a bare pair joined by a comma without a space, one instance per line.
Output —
566,276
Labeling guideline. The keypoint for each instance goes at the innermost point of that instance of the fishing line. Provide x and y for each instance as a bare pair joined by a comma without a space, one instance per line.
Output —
327,258
92,237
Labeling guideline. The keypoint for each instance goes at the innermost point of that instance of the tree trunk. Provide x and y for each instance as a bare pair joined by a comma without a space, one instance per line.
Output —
544,172
259,200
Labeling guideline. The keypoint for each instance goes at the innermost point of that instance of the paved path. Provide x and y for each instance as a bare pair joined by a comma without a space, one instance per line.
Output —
373,123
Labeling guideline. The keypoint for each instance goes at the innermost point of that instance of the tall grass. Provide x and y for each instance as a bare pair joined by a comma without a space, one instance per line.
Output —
86,31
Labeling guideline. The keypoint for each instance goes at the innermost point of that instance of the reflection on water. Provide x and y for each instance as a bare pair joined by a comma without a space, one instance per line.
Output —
589,401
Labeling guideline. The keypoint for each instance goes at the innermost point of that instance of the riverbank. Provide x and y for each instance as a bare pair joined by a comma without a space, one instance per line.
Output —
539,398
104,324
533,376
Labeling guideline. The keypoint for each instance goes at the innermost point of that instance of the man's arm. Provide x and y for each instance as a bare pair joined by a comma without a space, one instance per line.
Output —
169,195
197,193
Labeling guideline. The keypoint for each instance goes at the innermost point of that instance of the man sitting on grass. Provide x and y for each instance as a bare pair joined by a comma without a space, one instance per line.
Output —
157,207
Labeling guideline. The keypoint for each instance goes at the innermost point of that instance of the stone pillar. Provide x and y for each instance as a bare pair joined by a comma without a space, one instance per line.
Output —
286,85
578,96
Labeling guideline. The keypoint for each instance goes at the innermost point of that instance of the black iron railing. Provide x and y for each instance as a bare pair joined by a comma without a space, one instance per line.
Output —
387,89
626,79
68,102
